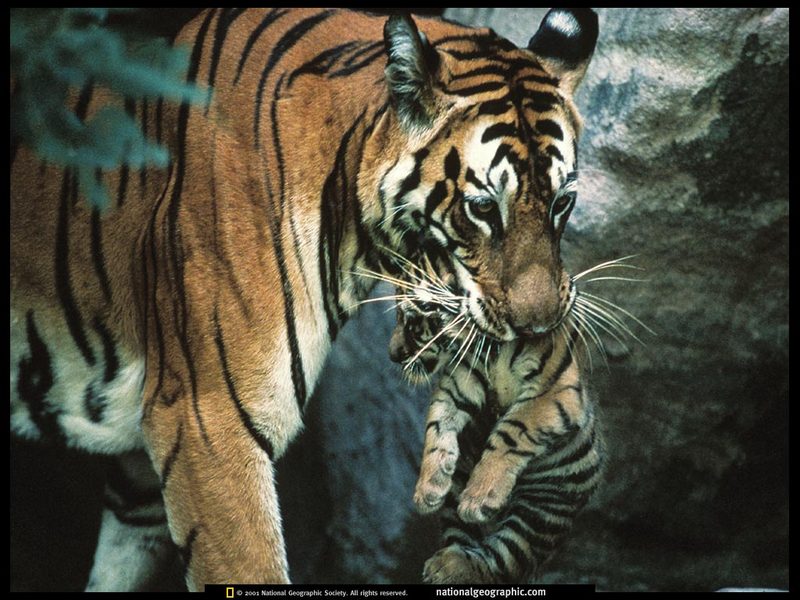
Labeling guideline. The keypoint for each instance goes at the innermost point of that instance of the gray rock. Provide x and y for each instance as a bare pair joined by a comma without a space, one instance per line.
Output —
685,163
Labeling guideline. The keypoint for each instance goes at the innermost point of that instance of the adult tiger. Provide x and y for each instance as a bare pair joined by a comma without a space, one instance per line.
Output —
194,319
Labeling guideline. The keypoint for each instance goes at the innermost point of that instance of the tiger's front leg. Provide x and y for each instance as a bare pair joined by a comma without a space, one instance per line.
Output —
219,490
213,432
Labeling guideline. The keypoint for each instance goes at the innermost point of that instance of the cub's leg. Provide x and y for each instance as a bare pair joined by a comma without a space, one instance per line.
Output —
459,561
531,428
547,496
134,550
452,406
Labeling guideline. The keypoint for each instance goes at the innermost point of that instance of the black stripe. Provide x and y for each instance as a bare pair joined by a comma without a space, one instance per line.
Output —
534,519
434,425
159,117
85,97
509,441
566,361
549,127
499,130
573,456
504,151
575,478
34,382
554,152
496,107
522,453
62,274
412,181
143,168
497,556
332,202
359,65
519,346
122,188
186,549
499,69
470,177
94,404
436,196
370,47
152,302
298,375
245,417
226,18
514,423
296,241
272,16
169,462
520,557
98,258
544,79
452,164
364,239
321,63
173,235
545,99
109,351
489,86
283,45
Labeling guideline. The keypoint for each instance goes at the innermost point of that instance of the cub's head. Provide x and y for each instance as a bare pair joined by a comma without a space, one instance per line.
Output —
486,176
414,344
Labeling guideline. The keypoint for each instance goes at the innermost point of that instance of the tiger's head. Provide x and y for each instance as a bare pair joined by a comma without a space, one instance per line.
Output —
486,173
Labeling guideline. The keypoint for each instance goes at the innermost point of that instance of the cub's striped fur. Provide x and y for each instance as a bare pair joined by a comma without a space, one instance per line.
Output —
510,440
191,323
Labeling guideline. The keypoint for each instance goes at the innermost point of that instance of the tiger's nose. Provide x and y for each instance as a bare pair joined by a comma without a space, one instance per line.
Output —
534,301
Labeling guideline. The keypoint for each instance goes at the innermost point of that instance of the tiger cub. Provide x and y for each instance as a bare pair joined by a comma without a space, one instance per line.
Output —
511,450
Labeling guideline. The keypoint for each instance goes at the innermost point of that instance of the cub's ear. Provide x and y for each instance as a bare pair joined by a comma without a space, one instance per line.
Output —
564,44
409,71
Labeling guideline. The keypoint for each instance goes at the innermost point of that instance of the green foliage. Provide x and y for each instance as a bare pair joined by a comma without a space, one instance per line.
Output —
54,50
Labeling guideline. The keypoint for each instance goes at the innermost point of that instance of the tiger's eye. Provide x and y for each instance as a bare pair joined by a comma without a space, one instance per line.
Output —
483,208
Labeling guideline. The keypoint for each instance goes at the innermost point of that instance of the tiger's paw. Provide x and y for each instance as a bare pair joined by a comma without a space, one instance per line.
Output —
486,493
435,479
455,564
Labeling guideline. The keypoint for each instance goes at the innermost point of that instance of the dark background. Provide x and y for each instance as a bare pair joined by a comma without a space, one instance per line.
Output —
685,162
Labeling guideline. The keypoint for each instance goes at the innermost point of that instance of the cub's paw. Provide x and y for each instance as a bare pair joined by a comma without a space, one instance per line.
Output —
453,564
435,479
436,476
486,493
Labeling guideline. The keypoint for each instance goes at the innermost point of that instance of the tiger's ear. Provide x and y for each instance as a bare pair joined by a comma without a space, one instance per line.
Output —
412,64
564,44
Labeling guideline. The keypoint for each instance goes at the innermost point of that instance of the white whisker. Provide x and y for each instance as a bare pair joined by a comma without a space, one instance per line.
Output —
619,308
610,278
609,264
613,329
588,326
465,347
611,318
438,335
